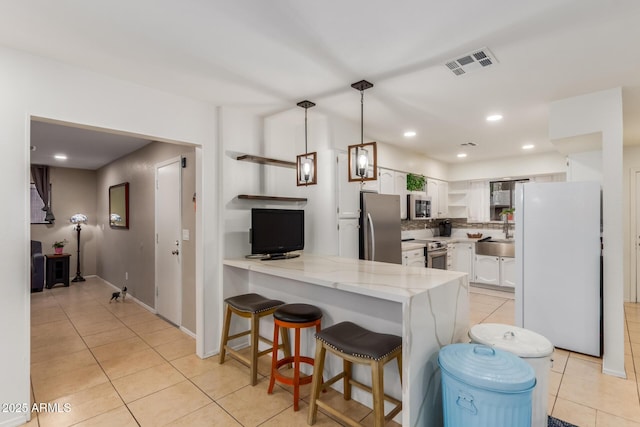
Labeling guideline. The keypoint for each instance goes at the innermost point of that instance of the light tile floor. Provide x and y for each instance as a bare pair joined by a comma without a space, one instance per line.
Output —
118,364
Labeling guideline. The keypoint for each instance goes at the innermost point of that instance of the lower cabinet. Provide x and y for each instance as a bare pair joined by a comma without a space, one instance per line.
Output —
348,238
414,257
460,258
487,270
508,272
493,270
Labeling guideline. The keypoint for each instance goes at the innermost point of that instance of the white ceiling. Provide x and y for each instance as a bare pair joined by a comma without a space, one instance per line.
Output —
272,54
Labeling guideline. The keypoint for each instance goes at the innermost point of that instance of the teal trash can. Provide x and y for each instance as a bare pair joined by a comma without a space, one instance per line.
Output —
484,386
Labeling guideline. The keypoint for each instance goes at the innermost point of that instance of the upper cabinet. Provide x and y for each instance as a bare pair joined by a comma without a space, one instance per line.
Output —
394,182
387,183
400,180
439,193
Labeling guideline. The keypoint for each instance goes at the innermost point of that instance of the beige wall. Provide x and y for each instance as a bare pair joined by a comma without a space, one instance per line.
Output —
132,251
72,191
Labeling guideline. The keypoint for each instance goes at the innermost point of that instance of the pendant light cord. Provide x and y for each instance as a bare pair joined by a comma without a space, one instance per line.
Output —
361,117
305,131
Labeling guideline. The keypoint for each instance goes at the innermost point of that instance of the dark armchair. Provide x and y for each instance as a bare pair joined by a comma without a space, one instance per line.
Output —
37,266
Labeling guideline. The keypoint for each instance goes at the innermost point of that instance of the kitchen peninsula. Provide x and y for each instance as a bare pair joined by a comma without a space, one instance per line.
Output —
428,307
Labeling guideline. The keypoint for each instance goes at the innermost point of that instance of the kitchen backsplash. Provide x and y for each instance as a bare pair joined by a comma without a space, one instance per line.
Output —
455,223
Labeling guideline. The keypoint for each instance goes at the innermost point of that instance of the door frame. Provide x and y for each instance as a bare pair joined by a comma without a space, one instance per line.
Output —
634,240
157,166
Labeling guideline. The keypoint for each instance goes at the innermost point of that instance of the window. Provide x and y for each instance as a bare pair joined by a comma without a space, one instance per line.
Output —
502,195
37,214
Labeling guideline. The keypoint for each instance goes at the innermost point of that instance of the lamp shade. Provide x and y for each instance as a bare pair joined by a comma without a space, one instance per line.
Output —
363,162
78,218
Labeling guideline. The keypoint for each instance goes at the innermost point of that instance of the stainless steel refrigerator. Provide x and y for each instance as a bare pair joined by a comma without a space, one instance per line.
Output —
380,238
558,287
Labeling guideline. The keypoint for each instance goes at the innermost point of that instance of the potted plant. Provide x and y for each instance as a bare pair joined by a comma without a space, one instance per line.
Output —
415,182
58,246
508,213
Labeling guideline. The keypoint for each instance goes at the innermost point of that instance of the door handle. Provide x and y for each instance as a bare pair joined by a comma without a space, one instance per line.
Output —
176,252
373,238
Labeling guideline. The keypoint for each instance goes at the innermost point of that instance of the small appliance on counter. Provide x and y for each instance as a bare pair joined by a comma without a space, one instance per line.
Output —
445,228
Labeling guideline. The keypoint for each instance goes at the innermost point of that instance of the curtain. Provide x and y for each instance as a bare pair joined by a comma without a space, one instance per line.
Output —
40,176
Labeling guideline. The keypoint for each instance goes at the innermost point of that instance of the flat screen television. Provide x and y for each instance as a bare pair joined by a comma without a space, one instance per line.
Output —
276,232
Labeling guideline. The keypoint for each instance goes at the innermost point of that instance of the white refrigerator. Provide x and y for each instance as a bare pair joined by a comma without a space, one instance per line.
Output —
558,289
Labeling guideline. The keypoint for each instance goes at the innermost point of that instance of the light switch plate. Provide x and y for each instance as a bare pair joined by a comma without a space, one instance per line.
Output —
185,234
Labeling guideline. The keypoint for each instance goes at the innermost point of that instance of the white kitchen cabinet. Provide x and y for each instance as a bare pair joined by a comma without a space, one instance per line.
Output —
394,182
508,272
487,270
400,185
493,270
369,186
387,183
414,257
462,258
348,238
348,192
439,193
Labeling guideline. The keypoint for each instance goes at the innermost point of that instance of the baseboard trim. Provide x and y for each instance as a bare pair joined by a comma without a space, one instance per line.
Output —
188,332
136,300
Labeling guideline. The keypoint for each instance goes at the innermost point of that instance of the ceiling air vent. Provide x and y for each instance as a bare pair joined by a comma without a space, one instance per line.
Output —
472,61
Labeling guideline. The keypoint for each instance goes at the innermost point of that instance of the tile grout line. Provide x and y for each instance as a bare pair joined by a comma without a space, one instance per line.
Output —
100,365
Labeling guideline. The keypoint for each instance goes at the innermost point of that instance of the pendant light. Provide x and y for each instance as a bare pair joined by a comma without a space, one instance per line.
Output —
306,171
363,158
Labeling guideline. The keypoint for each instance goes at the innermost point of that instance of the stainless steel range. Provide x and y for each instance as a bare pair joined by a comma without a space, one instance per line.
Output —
435,253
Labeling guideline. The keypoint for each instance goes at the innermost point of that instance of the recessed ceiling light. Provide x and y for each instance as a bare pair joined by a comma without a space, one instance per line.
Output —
410,133
494,117
528,146
461,155
60,157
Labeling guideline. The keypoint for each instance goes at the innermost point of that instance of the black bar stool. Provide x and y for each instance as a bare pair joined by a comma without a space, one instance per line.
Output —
355,344
254,307
297,317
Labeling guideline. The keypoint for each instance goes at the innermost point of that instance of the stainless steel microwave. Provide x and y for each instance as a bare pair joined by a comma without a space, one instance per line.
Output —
419,206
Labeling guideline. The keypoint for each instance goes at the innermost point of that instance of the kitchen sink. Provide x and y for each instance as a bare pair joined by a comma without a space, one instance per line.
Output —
497,247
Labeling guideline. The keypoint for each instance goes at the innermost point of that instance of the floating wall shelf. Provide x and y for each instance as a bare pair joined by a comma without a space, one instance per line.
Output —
275,198
266,161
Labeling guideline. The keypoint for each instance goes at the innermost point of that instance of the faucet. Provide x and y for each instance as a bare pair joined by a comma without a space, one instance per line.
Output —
505,227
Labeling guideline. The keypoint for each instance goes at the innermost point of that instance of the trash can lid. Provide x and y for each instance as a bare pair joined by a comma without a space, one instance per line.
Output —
519,341
487,367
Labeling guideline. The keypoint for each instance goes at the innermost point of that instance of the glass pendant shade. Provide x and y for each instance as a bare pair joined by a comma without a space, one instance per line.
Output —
306,169
363,162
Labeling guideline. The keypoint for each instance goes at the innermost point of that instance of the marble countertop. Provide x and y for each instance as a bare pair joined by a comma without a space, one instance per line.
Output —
392,282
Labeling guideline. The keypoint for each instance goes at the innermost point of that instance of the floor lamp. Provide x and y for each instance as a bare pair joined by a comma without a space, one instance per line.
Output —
78,219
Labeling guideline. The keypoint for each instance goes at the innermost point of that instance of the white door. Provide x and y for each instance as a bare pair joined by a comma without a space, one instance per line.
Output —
168,240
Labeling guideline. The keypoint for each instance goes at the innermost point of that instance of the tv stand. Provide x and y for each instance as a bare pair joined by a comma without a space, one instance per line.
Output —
273,257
